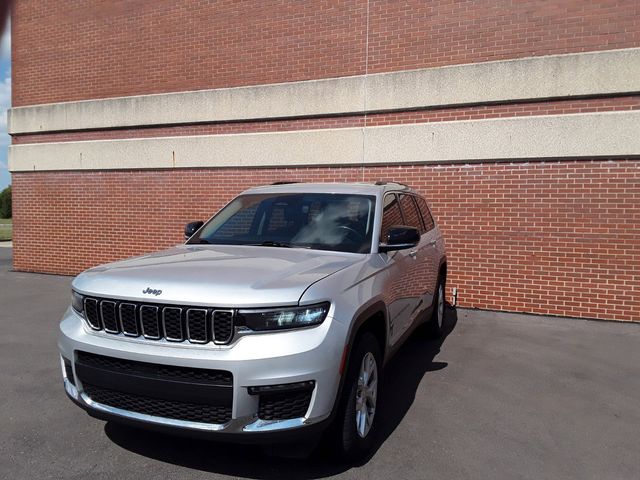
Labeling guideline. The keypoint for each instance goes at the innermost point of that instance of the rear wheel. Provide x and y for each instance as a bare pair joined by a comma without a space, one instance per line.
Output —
359,403
436,322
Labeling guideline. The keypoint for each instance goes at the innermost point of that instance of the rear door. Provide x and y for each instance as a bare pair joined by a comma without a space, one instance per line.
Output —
434,246
400,265
420,286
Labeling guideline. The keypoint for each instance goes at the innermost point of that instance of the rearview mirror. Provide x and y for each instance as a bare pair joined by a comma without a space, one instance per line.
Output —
191,228
399,238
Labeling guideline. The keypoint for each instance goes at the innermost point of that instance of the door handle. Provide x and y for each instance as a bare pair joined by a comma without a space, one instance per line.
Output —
432,243
413,253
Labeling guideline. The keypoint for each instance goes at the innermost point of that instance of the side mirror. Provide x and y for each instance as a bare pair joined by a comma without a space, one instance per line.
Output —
399,238
191,228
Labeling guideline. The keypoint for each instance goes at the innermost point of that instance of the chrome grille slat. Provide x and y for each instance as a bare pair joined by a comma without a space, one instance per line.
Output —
172,323
197,325
128,319
92,313
222,326
108,316
150,322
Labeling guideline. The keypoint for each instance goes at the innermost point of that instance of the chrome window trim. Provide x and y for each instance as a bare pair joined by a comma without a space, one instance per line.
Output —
135,319
206,313
99,327
151,337
115,315
233,325
164,325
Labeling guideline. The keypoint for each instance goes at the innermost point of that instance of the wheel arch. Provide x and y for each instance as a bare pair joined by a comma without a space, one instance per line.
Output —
370,318
442,269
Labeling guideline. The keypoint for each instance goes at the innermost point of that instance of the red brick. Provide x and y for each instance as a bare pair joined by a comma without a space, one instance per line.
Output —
77,49
503,253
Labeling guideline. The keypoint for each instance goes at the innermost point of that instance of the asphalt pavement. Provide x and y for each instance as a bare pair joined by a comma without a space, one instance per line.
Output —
504,396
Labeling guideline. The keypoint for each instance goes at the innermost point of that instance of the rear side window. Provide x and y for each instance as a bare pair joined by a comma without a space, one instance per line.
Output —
391,215
426,214
411,212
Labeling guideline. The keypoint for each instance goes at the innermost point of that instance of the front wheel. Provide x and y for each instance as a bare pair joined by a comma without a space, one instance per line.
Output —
360,399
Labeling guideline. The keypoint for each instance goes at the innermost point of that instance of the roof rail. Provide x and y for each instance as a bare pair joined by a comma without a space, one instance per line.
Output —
385,182
285,182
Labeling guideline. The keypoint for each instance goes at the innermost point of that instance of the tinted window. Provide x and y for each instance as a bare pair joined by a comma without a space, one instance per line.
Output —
411,213
239,224
391,215
307,220
426,214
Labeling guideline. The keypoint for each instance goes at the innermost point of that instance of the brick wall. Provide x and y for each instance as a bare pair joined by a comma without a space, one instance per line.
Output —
552,238
76,49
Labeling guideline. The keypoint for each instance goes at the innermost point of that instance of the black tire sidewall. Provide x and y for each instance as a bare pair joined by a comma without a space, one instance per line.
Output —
351,445
435,330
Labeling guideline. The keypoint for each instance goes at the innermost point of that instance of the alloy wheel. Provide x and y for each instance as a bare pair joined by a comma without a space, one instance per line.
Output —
366,394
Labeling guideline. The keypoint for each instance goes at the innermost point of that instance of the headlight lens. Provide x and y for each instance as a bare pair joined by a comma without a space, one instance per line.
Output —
77,302
283,318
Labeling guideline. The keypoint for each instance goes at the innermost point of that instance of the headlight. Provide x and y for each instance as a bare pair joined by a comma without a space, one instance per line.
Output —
283,318
77,302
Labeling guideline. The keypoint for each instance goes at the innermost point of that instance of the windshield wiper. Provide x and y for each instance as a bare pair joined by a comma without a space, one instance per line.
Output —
271,243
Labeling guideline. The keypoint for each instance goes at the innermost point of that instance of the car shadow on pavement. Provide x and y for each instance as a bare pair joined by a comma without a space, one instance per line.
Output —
403,375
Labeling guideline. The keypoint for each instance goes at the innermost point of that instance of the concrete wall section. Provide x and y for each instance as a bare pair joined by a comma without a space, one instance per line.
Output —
610,134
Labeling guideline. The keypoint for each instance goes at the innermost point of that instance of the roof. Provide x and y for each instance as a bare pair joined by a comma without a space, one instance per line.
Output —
353,188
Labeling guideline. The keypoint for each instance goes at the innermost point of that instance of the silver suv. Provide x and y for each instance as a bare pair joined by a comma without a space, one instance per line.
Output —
275,318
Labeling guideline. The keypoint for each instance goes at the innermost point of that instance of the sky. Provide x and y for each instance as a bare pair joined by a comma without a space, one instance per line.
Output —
5,103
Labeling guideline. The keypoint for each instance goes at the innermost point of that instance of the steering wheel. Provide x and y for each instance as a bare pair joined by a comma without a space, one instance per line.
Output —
354,234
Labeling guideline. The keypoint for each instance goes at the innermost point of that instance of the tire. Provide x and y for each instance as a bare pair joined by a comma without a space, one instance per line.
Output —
436,321
356,436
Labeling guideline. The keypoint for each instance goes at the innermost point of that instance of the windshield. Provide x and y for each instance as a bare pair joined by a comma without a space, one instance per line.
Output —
320,221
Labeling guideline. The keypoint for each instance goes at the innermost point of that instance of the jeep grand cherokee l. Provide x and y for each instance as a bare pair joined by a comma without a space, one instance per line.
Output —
275,318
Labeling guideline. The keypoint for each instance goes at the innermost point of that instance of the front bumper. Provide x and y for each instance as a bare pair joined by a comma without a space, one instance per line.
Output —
274,358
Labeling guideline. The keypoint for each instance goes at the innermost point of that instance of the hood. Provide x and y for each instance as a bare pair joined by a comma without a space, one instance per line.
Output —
218,275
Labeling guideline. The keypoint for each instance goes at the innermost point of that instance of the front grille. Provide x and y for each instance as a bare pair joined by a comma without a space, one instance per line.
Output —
155,321
193,412
156,371
284,405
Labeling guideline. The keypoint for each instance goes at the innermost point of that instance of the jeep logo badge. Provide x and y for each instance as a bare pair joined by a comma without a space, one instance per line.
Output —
152,291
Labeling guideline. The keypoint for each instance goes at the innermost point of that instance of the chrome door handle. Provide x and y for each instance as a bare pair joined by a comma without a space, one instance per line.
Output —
413,253
432,243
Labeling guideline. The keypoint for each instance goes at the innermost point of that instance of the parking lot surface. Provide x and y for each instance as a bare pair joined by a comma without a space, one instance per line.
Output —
503,396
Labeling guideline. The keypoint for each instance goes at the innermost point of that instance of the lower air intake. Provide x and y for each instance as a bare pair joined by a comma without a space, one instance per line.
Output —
192,412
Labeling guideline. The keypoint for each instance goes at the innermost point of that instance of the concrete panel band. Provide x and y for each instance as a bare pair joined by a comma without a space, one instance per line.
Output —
610,134
536,78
